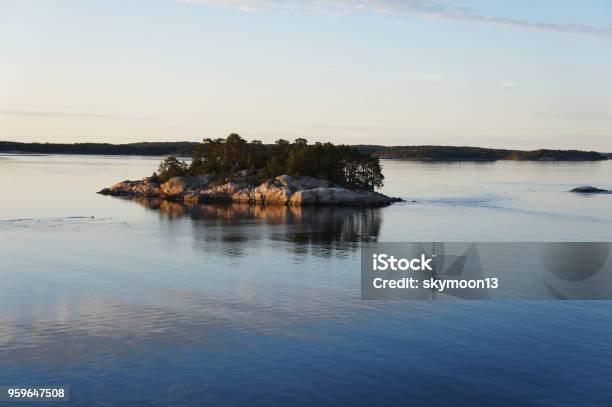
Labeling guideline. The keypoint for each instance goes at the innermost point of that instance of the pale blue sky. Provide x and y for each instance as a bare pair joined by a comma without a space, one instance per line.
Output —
520,74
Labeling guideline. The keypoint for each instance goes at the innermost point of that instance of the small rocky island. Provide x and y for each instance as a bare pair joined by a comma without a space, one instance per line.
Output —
282,190
588,189
233,170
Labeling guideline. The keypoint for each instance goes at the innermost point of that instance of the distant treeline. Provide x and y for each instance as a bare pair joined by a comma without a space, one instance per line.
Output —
180,148
441,153
450,153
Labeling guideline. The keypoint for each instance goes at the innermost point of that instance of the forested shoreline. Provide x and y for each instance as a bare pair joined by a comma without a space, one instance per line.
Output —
180,148
460,153
429,153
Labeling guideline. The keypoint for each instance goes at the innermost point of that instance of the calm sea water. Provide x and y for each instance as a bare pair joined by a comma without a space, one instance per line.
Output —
150,303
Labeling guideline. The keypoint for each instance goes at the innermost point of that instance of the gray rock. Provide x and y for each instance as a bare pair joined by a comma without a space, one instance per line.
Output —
271,192
282,190
221,193
295,184
340,197
191,198
587,189
245,173
179,186
146,187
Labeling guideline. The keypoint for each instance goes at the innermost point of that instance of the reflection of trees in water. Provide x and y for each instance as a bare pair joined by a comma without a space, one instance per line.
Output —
312,230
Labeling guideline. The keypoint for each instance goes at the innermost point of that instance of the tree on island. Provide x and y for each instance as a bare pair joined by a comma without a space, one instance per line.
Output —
171,167
342,164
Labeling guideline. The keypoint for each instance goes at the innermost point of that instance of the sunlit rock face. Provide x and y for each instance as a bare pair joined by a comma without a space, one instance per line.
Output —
273,191
339,197
221,193
179,186
298,183
282,190
145,187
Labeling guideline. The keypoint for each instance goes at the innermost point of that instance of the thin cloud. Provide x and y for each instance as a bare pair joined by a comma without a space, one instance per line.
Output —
423,77
423,8
38,113
508,85
327,126
590,116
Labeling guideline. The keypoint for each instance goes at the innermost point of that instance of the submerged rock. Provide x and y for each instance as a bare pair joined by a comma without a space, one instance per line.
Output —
282,190
587,189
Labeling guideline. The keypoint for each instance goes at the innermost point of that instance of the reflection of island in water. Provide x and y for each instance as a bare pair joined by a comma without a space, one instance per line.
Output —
319,228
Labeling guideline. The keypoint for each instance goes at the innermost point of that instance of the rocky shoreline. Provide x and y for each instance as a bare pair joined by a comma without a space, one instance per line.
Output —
282,190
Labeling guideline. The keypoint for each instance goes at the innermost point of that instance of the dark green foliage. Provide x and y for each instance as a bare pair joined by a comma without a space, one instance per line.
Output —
442,153
556,155
342,164
258,154
368,149
171,167
179,148
197,163
450,153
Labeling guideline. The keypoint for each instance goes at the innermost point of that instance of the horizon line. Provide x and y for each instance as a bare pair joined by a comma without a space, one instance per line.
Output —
354,145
